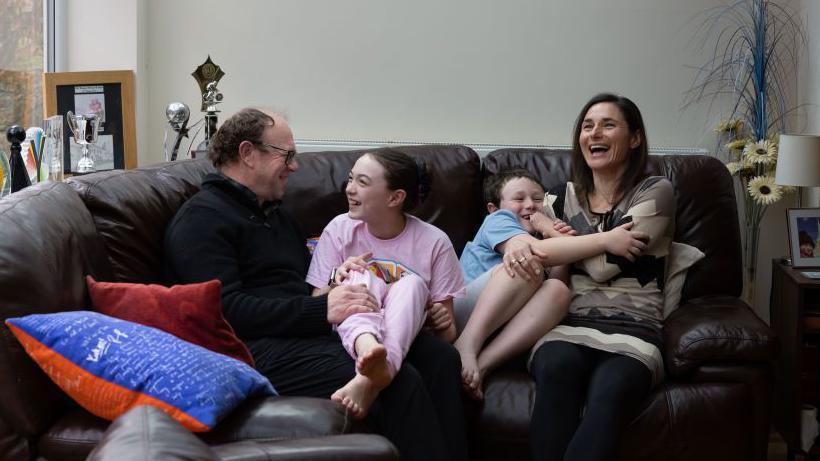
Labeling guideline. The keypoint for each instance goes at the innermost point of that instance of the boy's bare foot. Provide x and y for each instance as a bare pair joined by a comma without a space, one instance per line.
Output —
357,395
373,364
476,384
469,368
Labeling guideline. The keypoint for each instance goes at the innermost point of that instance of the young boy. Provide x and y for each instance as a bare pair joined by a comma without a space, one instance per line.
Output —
504,269
515,199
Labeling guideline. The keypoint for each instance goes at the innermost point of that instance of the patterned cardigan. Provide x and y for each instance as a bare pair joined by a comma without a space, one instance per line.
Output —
617,305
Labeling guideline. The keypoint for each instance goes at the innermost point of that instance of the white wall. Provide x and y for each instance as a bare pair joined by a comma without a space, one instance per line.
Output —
463,70
477,71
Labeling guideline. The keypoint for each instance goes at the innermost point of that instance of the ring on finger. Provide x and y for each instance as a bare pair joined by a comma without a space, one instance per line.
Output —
521,260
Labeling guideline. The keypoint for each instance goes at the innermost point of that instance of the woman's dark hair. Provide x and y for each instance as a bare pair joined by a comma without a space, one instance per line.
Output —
493,185
246,125
402,172
636,161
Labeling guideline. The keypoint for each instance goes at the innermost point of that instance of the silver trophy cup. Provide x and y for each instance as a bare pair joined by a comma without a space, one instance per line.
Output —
85,129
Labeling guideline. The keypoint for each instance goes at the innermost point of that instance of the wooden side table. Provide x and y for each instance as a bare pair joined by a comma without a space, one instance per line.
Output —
795,316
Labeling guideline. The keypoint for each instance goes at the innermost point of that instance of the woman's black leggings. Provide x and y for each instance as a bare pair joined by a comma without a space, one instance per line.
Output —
569,377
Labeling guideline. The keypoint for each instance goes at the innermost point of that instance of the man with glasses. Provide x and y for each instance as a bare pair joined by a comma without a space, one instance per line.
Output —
234,230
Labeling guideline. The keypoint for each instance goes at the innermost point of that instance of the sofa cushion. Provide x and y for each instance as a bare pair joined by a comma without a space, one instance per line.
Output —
681,258
670,421
190,312
109,365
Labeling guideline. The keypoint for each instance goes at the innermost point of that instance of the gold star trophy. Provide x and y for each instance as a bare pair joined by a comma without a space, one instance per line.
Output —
207,76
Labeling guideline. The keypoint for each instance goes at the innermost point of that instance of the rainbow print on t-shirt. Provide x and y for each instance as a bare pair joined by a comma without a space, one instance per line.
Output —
388,269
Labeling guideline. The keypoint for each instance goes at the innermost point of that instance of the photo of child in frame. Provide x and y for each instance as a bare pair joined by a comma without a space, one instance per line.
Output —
808,229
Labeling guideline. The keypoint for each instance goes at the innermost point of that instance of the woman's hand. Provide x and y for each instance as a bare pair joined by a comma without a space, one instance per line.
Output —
621,241
353,263
519,260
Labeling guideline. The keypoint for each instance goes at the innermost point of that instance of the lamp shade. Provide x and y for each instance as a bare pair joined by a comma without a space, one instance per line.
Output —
798,160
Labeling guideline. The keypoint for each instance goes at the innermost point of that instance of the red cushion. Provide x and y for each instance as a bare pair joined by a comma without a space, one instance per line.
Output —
189,312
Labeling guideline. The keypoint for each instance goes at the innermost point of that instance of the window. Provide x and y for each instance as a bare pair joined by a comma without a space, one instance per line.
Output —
21,65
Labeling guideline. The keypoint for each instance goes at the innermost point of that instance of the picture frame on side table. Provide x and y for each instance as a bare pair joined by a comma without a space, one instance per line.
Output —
804,236
108,94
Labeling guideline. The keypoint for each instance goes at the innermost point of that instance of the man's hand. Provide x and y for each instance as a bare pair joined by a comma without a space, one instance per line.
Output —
346,300
353,263
519,260
621,241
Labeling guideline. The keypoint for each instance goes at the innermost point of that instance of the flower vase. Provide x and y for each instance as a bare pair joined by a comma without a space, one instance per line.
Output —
751,235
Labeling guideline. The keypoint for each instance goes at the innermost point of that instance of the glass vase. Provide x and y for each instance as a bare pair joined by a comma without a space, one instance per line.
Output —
751,235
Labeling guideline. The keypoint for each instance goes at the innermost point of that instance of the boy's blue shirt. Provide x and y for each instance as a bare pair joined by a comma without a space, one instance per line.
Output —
479,256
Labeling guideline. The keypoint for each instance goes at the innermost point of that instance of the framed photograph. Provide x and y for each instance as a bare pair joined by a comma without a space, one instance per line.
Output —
108,94
804,231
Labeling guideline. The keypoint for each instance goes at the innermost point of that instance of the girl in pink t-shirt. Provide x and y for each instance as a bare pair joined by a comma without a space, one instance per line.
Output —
408,265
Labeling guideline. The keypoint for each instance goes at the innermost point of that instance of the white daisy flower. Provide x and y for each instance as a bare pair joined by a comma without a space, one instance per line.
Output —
764,190
735,167
729,126
763,152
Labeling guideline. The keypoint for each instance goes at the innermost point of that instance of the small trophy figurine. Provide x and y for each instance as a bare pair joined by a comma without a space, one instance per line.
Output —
207,76
84,128
19,176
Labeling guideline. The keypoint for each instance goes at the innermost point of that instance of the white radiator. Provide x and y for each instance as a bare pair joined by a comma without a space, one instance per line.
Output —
319,145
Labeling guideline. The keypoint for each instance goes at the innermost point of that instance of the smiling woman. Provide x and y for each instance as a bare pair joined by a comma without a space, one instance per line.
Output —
606,355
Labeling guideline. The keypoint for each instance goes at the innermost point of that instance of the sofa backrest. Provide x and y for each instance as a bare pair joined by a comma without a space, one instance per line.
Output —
315,192
131,209
706,209
48,243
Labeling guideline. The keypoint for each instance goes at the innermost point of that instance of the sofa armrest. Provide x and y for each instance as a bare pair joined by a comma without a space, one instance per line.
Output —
359,447
146,432
715,330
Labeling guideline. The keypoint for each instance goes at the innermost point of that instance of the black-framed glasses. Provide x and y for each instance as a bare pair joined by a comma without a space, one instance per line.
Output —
289,154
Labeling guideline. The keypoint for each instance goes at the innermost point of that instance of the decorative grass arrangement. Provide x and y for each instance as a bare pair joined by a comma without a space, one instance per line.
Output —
753,65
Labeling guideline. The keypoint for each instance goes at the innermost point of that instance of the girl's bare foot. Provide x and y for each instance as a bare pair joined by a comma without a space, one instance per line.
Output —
373,364
357,395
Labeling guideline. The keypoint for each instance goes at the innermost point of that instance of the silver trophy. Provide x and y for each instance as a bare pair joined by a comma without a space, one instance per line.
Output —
177,114
85,129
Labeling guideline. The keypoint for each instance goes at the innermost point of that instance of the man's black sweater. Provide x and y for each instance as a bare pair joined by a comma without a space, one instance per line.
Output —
259,254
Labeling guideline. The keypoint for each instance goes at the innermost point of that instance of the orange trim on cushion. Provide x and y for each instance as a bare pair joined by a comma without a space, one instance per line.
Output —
101,397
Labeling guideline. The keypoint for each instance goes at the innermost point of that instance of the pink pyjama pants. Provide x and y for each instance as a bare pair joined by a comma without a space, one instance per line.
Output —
402,314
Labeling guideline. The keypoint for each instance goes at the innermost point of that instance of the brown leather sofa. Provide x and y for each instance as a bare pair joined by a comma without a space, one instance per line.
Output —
110,225
714,404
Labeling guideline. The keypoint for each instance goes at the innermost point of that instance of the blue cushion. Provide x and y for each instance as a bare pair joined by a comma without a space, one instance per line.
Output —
110,366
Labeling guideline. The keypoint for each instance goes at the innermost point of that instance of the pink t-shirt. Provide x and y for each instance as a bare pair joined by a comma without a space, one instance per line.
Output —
421,249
